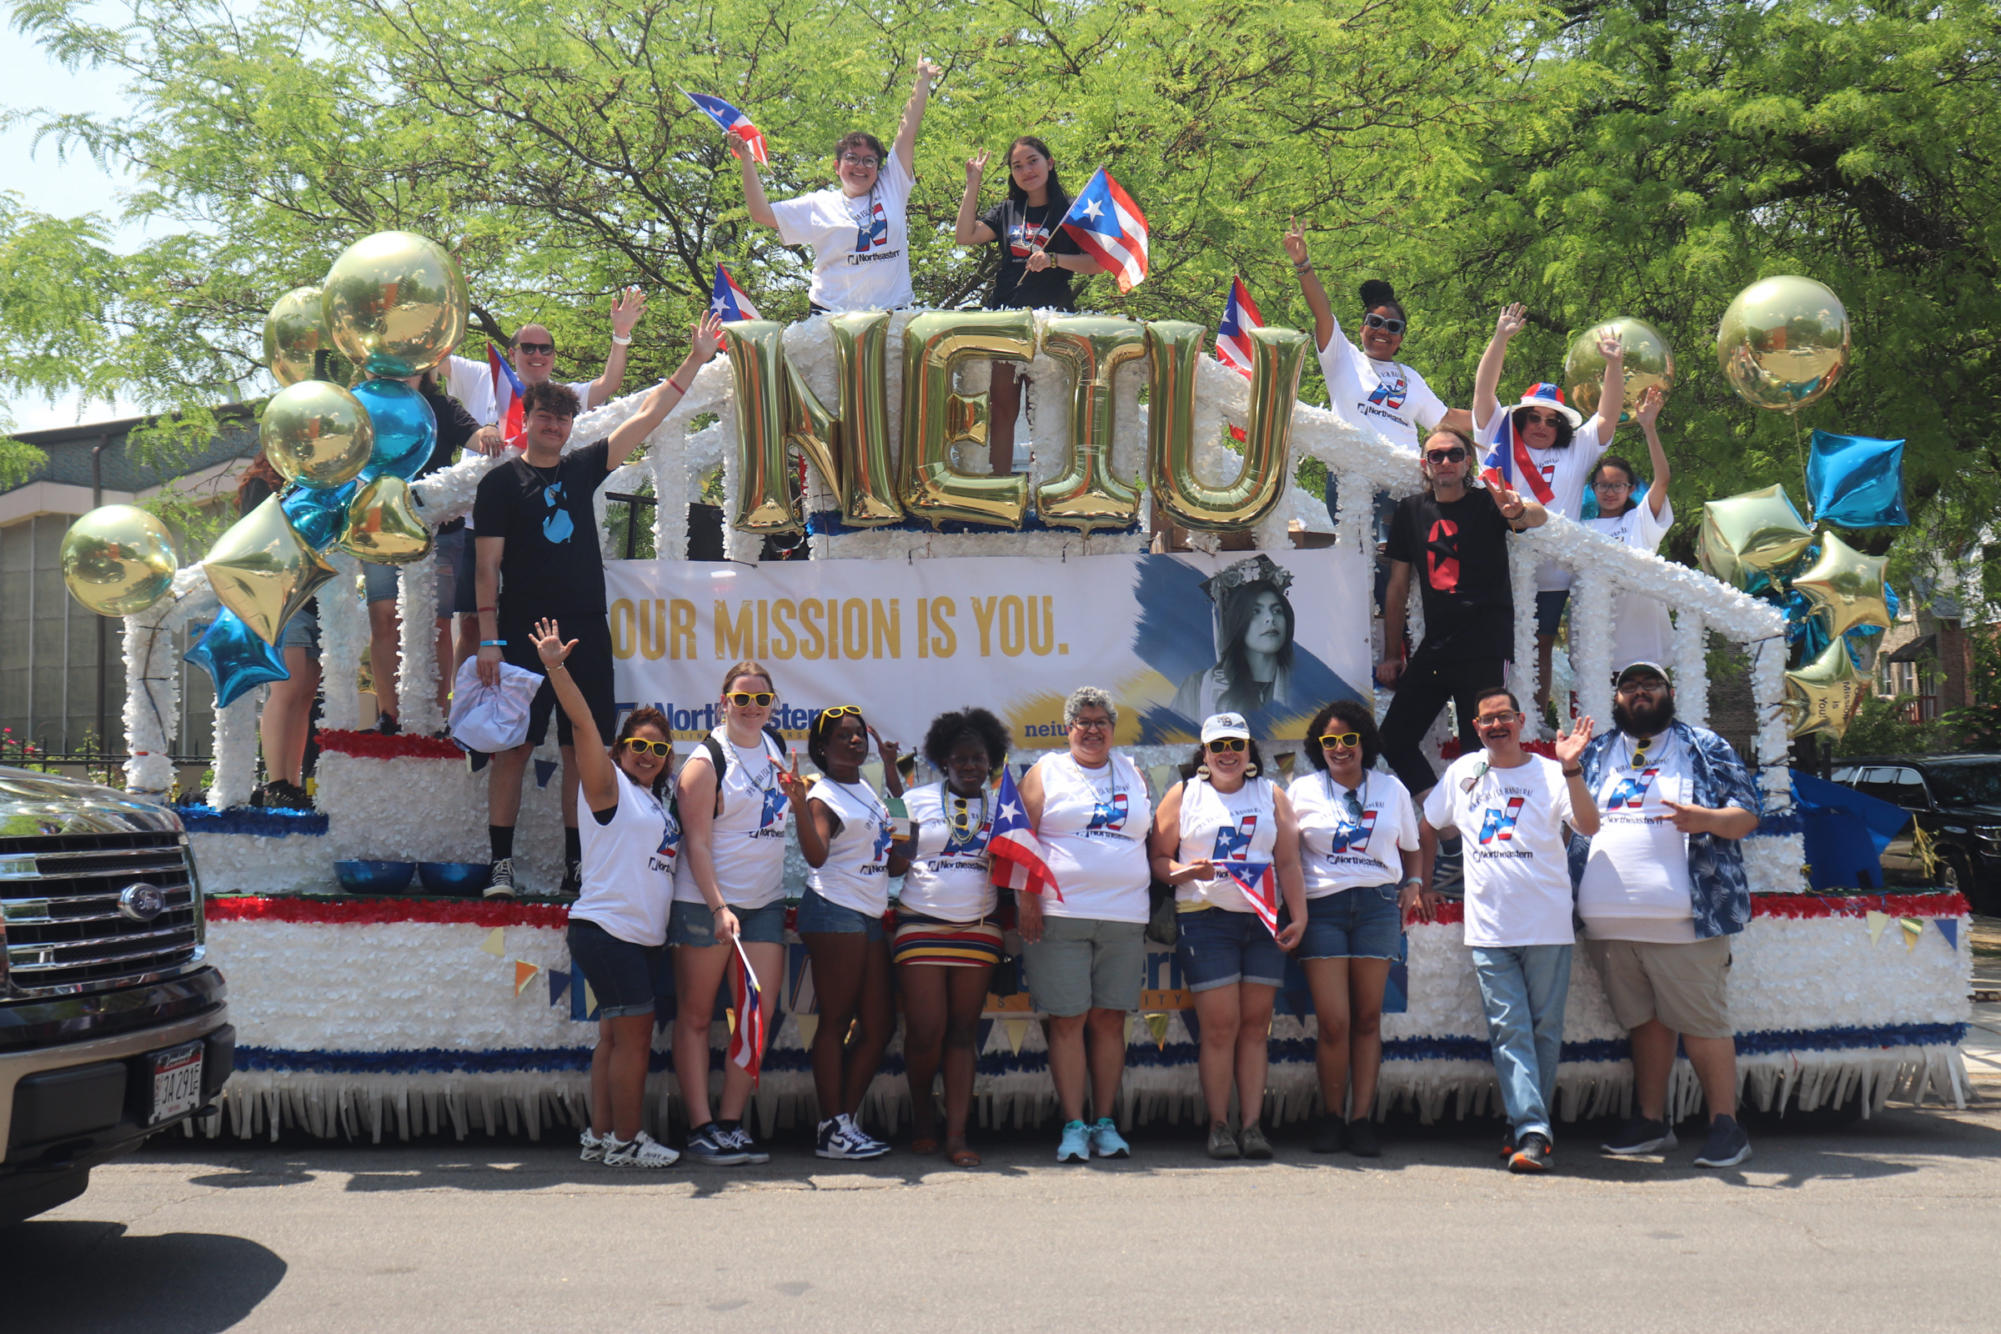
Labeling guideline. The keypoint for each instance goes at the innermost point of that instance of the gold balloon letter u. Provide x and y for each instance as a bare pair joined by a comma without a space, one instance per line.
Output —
1174,351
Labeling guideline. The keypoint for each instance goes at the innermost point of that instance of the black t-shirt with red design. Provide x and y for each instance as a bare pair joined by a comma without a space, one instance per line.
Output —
1018,229
1458,554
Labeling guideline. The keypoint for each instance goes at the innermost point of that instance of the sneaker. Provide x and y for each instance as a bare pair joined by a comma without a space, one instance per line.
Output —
1254,1144
1107,1142
1362,1141
1448,872
1075,1146
1640,1136
841,1138
741,1141
1726,1146
1329,1134
500,880
1532,1154
283,796
710,1146
573,880
642,1150
387,725
1222,1144
591,1148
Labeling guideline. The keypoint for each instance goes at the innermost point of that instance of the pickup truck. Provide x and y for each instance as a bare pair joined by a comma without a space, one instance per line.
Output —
112,1024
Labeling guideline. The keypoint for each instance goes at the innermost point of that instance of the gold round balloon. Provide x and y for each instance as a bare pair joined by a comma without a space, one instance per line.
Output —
1822,695
1845,587
118,560
317,433
1649,362
293,331
395,303
1745,536
382,524
1783,342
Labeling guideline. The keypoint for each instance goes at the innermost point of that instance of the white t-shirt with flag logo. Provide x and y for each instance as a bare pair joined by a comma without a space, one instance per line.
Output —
1093,832
1510,824
628,866
856,872
1240,826
747,841
1635,884
1641,631
1336,853
1387,397
860,243
1564,471
948,875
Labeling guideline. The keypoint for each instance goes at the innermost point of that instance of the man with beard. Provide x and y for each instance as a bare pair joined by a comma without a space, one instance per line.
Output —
1661,889
1508,807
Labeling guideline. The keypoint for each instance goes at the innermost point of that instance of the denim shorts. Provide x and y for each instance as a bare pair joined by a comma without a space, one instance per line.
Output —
1359,923
1219,947
1085,963
694,924
818,914
450,543
379,581
625,977
302,631
464,596
1549,611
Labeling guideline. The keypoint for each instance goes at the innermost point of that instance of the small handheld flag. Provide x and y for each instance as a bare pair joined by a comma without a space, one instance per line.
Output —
732,122
747,1042
1108,226
1014,854
507,392
1260,890
1233,335
728,301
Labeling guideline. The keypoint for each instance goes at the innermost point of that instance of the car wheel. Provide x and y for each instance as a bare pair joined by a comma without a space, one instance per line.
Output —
1955,873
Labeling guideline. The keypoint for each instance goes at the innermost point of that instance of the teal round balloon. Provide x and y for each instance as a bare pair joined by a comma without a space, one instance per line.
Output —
405,428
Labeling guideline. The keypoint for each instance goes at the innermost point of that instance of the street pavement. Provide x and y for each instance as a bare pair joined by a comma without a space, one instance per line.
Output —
1888,1223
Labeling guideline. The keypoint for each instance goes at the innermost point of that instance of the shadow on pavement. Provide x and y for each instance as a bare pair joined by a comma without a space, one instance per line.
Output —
64,1274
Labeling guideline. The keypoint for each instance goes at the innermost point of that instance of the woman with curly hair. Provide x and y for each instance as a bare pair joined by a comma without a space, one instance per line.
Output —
846,838
947,941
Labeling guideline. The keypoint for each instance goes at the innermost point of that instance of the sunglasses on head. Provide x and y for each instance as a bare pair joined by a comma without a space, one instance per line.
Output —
1383,322
1227,743
1341,739
642,746
841,711
1456,454
536,349
744,699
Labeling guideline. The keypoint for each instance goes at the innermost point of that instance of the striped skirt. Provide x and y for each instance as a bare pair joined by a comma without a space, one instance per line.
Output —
947,944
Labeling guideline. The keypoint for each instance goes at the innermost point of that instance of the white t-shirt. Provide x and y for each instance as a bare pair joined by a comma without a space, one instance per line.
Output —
856,872
861,245
1093,830
947,879
747,841
1240,826
1641,631
1564,471
1635,884
628,866
1383,396
1338,854
1510,823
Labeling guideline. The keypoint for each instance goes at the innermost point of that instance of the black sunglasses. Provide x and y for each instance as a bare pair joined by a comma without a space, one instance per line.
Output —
537,349
1456,454
1386,324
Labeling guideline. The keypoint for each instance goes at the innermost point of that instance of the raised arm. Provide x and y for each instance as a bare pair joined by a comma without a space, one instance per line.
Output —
753,192
594,770
703,341
969,230
1648,416
1487,379
905,147
1612,389
626,308
1294,242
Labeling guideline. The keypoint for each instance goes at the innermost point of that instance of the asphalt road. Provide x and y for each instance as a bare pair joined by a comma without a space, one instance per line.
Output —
1890,1223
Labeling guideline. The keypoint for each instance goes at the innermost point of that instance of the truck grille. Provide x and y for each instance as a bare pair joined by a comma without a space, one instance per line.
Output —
65,931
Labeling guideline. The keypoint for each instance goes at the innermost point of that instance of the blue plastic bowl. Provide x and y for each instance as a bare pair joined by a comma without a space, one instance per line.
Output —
364,877
465,879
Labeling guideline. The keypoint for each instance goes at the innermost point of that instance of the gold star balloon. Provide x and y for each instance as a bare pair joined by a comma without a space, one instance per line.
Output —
293,332
118,560
1783,342
317,433
1649,362
395,303
1822,695
1844,586
382,524
264,571
1744,536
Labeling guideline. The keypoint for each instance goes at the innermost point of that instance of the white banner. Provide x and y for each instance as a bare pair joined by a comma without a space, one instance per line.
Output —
1172,638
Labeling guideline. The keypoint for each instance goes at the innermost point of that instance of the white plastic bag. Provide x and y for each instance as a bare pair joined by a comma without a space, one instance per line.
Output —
492,718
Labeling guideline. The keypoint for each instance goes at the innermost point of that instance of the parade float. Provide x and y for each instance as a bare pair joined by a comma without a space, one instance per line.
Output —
932,585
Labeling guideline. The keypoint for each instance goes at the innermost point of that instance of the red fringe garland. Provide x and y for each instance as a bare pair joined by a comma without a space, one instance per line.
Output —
376,911
376,746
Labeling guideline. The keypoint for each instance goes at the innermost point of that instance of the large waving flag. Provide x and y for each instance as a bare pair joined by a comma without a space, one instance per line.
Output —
507,392
747,1041
733,122
1014,853
1233,335
1509,462
1260,889
1109,227
728,301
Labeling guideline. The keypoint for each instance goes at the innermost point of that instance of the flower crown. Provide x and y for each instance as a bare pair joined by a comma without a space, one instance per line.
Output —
1259,569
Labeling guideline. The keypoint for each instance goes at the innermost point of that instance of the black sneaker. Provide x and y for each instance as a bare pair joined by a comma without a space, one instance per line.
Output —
1726,1146
1532,1154
711,1146
500,881
280,795
1362,1140
1640,1136
1329,1135
387,725
573,879
741,1140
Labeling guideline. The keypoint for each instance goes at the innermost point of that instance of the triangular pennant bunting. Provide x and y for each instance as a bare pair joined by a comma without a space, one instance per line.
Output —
1913,928
590,1002
1156,1024
1877,921
559,982
1017,1029
809,1024
544,771
495,942
1949,928
524,973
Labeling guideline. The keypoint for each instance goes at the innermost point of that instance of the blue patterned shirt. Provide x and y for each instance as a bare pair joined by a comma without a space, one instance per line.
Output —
1717,884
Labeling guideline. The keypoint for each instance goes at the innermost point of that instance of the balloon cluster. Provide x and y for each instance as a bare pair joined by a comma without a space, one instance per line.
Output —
394,304
1782,344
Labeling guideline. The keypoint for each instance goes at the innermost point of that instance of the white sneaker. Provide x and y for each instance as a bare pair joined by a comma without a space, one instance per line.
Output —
642,1150
591,1148
841,1138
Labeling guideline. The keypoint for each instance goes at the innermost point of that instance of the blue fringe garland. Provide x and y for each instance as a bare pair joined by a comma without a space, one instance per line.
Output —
260,822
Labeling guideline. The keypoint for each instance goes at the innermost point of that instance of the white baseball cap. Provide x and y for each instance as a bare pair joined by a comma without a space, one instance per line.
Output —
1221,725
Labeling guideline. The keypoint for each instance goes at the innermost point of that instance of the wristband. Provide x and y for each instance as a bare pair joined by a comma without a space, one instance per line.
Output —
1303,268
676,385
495,610
493,643
1574,773
1417,880
622,342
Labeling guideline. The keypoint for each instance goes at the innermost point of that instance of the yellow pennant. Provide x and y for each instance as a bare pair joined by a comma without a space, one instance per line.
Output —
524,973
809,1024
1913,928
731,1016
1017,1029
495,942
1877,921
1156,1024
590,999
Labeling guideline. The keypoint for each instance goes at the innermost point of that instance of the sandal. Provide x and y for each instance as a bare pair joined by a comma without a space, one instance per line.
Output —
924,1145
962,1157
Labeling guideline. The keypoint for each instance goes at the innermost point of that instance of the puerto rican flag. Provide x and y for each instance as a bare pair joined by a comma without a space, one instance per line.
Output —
728,301
1233,335
1508,462
1014,854
1260,888
732,122
747,1039
1108,226
507,392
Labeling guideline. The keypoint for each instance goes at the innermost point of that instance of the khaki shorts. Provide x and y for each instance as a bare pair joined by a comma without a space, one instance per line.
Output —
1083,963
1680,985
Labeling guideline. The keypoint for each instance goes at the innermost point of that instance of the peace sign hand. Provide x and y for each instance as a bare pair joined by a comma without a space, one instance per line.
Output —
976,166
792,785
1294,242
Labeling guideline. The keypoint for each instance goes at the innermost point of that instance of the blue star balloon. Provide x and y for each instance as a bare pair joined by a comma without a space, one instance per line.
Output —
1853,481
318,516
235,658
405,428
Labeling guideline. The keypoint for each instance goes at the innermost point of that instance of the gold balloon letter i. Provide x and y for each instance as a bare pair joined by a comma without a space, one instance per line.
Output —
935,418
1174,350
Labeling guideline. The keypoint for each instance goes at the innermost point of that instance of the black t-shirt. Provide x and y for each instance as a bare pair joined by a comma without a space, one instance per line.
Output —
551,565
455,427
1458,553
1019,229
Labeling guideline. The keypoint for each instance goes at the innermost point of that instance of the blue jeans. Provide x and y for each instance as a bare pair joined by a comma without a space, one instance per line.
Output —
1523,988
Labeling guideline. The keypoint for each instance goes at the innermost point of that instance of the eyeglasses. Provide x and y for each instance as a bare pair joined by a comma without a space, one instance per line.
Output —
1091,724
536,349
856,160
841,711
1456,454
1495,719
745,699
641,746
1612,484
1646,685
1340,738
1533,418
1384,323
1227,743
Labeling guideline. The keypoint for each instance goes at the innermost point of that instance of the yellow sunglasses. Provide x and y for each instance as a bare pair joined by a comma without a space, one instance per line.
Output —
644,747
744,699
841,711
1341,739
1221,744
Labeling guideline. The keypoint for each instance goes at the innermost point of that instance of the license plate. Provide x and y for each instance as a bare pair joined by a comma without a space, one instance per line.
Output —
176,1082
